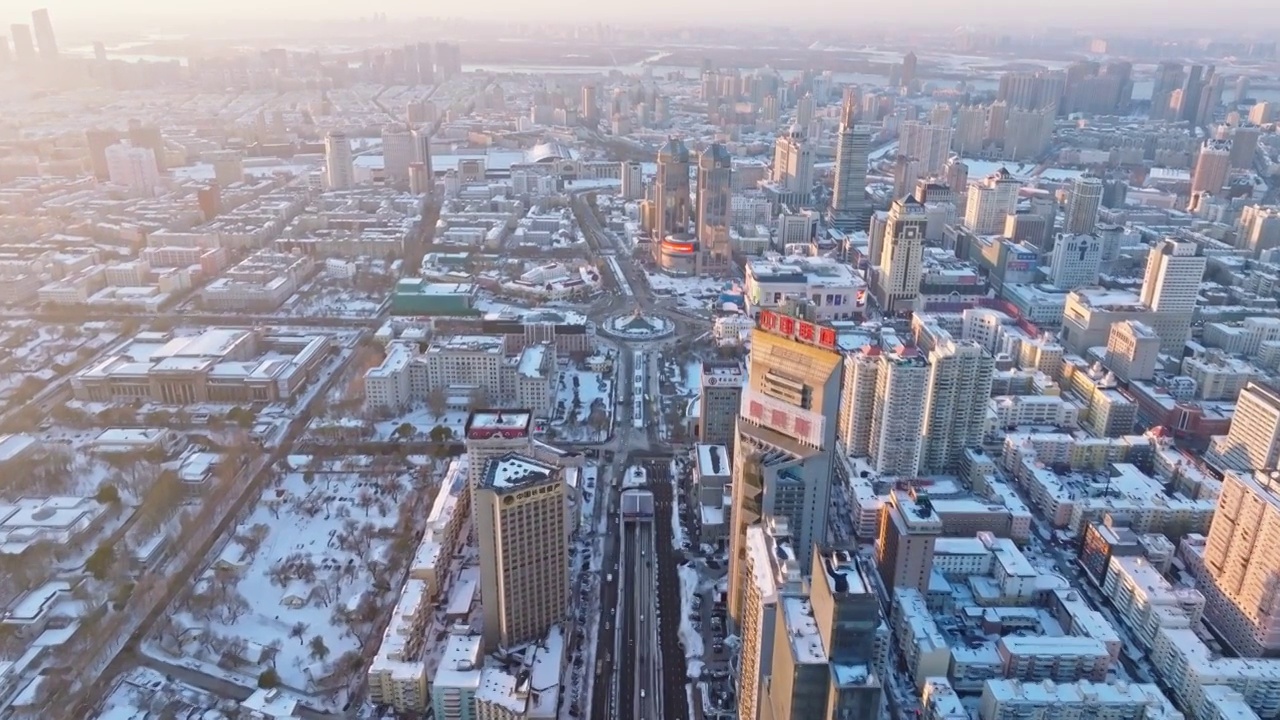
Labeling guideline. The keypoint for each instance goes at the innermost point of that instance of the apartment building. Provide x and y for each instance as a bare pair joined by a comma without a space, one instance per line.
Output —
260,282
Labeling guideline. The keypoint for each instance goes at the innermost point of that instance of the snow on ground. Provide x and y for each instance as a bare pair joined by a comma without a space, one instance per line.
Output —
37,353
690,293
584,406
321,531
423,421
695,669
678,538
692,378
143,692
690,639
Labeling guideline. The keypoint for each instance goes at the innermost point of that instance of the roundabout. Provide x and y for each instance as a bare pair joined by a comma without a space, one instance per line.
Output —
638,326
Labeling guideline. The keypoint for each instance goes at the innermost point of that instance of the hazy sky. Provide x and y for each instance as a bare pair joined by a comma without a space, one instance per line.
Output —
79,17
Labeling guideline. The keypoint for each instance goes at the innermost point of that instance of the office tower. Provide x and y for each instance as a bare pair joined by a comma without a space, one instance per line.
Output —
133,167
804,112
1213,167
1253,440
398,153
422,150
823,649
957,176
493,433
1192,86
1133,350
1242,90
1047,208
1083,201
673,210
1210,98
897,413
590,106
906,171
1115,193
1242,559
524,554
99,141
339,167
960,373
632,180
1027,134
850,208
149,136
989,201
1170,287
771,569
44,34
927,143
793,162
1244,145
782,460
1075,261
713,205
971,130
24,48
897,277
1168,78
720,397
1024,227
909,528
908,69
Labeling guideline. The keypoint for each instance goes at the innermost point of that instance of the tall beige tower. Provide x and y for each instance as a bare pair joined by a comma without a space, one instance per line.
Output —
1170,287
901,257
524,553
494,433
1213,167
1253,441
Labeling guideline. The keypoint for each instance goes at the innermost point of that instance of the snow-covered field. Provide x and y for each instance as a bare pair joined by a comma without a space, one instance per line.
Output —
143,692
330,295
295,578
690,639
584,406
36,354
423,421
690,293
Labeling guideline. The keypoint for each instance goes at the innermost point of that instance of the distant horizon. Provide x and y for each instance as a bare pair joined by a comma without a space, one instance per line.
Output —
83,18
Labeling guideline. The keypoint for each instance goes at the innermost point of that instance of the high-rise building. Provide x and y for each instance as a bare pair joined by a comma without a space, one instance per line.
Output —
673,210
1075,261
398,153
824,664
1083,201
1192,86
955,408
426,64
896,430
448,61
1258,229
493,433
1133,350
720,399
422,152
1168,78
929,144
971,130
1027,133
897,276
713,206
997,118
99,141
524,554
908,69
45,39
339,168
850,209
632,180
1244,145
989,201
909,528
1242,558
590,106
228,166
1213,167
133,167
1170,287
786,435
1253,440
793,162
149,136
771,569
941,114
804,112
24,48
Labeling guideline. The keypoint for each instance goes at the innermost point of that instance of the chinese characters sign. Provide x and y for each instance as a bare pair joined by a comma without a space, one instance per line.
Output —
798,423
795,329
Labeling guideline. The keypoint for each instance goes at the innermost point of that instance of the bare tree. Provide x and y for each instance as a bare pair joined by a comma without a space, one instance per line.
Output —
437,402
299,630
364,500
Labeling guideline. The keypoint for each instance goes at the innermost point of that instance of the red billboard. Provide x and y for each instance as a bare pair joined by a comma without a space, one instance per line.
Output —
799,330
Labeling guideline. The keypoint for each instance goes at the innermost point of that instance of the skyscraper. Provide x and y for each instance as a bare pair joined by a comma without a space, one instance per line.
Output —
1133,350
850,209
1027,133
714,203
632,180
24,48
1213,167
672,207
44,34
99,141
909,69
971,130
960,375
897,277
1253,440
149,136
1241,561
786,437
398,153
524,554
997,118
1083,201
422,150
928,143
771,568
909,529
989,201
793,163
493,433
897,413
720,397
1168,78
1170,287
1075,261
804,112
590,106
339,167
